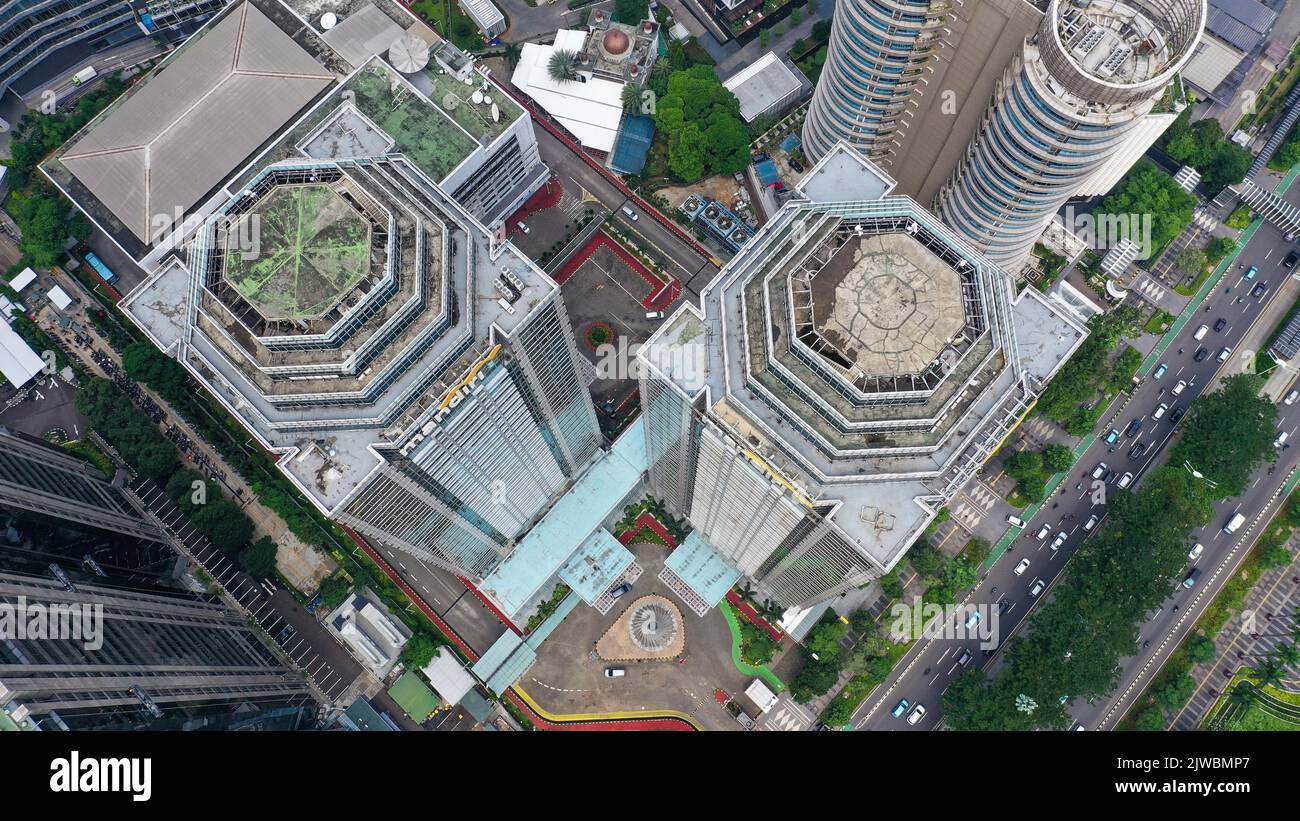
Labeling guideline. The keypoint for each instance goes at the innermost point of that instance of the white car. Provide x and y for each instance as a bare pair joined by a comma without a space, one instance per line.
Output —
615,672
1291,397
1180,387
1091,523
1057,542
1039,584
1196,552
1042,532
1022,567
918,713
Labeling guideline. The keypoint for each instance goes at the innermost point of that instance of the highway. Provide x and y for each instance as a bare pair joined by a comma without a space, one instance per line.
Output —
929,667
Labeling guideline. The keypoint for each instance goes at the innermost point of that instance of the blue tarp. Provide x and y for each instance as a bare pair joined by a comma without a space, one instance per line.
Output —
633,144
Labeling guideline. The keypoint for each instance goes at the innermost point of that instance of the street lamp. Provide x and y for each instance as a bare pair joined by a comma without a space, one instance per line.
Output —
1196,474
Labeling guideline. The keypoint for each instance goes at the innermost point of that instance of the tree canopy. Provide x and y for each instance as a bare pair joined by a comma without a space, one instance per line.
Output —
701,120
1147,190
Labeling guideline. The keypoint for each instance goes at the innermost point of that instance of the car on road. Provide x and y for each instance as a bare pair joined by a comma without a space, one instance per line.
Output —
918,713
965,657
1250,274
1042,532
1039,584
1201,332
1259,290
1196,552
1281,439
1022,567
1133,427
1291,397
1099,471
629,213
1291,259
1059,540
1159,411
1005,606
1112,436
900,708
1225,353
1091,523
1180,387
654,315
1176,415
973,619
1137,450
1192,578
615,672
1015,521
1125,480
1160,371
1220,324
1235,522
1201,354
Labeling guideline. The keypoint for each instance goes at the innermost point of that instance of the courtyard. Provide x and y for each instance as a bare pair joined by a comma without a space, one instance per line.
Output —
569,674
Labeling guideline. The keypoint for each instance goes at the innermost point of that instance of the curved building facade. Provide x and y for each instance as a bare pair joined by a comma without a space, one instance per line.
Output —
1087,78
877,53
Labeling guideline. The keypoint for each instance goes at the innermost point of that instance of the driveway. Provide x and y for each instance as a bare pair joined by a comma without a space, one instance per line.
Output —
568,678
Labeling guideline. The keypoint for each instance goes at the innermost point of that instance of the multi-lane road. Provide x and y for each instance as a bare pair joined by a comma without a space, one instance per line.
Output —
929,668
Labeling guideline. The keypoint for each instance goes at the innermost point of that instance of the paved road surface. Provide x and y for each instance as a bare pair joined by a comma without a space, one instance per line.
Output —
1074,506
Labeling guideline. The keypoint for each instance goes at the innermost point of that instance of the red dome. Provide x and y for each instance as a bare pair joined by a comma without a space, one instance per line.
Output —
615,42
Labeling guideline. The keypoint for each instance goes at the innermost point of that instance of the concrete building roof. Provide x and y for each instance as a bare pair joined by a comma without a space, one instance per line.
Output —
764,85
18,362
24,278
363,34
704,570
448,677
591,110
592,570
177,136
1241,23
1213,62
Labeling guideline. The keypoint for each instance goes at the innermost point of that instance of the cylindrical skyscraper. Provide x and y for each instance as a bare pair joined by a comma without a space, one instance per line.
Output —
875,58
1091,74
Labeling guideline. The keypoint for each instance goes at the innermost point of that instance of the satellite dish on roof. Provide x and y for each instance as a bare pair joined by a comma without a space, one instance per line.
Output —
328,20
496,113
408,54
477,96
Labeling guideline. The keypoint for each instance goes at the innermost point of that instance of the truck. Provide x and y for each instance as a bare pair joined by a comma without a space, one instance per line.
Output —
762,697
1235,522
85,75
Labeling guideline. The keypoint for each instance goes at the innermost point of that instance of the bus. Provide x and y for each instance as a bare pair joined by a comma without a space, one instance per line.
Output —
105,273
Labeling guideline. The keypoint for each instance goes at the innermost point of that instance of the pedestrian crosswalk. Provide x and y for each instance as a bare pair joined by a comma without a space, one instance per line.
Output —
1149,289
1204,219
982,495
786,717
1038,428
571,205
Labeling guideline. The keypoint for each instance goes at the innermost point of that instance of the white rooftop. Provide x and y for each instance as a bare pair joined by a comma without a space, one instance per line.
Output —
763,85
589,107
18,362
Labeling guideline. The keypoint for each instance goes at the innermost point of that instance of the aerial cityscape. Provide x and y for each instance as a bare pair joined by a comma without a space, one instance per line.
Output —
731,365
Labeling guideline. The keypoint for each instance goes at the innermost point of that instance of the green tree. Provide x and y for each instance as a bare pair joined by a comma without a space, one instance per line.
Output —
824,640
686,152
1200,649
815,679
1152,719
259,557
418,652
1057,458
631,12
332,592
562,66
1228,433
1147,190
926,559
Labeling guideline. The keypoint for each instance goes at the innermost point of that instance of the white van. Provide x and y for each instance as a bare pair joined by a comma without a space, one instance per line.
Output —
1160,411
1201,332
1015,521
1180,387
1281,438
630,213
1235,522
